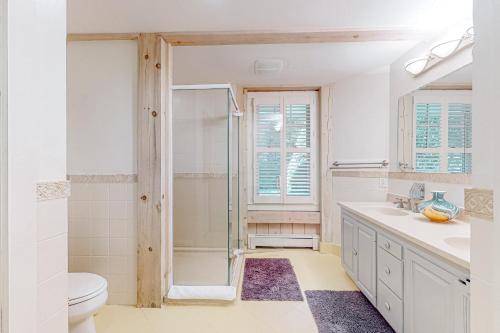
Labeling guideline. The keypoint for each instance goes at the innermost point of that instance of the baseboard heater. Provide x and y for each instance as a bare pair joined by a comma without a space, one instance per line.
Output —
283,240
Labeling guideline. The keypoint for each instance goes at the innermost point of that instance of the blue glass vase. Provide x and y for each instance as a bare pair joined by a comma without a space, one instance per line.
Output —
438,209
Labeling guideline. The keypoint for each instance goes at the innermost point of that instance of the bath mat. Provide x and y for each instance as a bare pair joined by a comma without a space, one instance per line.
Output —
345,312
270,279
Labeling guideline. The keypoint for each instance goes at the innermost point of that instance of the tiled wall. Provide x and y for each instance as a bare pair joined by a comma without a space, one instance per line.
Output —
103,235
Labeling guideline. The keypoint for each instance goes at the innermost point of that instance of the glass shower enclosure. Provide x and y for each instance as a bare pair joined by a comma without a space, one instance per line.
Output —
206,231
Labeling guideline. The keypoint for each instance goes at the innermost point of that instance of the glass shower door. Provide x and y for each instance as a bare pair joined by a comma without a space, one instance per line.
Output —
201,187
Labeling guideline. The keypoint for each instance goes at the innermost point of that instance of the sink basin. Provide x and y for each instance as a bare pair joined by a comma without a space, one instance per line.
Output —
391,211
461,243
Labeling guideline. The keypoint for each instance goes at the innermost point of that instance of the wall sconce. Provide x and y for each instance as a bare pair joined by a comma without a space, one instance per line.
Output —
440,52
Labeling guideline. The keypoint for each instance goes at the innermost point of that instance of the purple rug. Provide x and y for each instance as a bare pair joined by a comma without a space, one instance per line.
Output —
345,312
270,280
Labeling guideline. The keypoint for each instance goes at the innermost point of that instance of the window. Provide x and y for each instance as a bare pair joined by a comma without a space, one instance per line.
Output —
284,147
443,131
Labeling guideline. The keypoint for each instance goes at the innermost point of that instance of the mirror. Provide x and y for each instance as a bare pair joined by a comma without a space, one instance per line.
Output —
435,126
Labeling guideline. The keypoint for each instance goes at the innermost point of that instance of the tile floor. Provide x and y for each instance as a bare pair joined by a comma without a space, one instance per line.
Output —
315,271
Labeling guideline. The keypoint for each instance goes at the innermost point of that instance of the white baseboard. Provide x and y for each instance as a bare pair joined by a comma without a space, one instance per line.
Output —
283,240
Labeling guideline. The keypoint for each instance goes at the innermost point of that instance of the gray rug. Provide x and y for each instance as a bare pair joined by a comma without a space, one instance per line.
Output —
267,279
345,312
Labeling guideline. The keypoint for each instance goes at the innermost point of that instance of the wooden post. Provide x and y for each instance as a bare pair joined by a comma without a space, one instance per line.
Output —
154,101
326,160
243,160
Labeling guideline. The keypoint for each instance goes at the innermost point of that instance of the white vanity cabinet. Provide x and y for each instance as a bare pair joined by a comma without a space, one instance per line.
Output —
359,255
415,291
436,300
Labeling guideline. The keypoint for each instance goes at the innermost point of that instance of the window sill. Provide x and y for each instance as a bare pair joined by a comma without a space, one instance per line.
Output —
287,207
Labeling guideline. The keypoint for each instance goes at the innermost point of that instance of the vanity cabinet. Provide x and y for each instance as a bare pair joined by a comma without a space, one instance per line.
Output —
429,296
359,255
414,290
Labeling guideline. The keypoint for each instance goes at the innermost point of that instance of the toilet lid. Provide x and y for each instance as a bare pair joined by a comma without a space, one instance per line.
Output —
84,286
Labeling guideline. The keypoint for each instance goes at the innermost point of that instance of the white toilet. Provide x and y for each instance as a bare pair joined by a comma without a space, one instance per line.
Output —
87,293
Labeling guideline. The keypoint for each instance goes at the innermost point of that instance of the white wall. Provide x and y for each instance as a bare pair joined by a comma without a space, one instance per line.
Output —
361,117
485,251
102,120
102,107
401,83
37,248
360,133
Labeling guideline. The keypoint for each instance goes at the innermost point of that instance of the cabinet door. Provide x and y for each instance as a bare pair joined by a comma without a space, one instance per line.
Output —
367,261
462,306
429,297
348,251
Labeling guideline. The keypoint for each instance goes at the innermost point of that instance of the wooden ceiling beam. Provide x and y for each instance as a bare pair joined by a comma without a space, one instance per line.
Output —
263,37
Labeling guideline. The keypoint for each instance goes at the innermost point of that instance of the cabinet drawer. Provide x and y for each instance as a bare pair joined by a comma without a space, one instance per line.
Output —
390,271
390,246
390,306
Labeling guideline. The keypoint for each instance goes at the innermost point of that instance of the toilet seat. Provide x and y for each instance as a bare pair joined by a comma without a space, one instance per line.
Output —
84,287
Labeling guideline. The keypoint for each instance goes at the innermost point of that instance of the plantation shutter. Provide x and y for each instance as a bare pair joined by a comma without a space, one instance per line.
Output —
268,128
428,137
443,131
459,138
284,143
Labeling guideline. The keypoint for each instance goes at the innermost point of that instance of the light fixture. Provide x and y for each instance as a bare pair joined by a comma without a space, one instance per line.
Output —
445,49
440,52
416,66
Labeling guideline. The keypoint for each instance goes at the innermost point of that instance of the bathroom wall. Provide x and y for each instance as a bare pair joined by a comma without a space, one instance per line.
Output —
36,152
485,250
360,133
102,115
402,83
102,107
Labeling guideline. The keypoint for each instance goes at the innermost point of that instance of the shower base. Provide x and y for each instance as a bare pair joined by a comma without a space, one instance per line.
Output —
201,274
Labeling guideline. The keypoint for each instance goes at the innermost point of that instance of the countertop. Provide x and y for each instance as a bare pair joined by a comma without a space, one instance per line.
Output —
417,229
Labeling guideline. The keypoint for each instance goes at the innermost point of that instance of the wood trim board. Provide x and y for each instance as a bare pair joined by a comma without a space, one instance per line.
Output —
196,38
287,217
326,160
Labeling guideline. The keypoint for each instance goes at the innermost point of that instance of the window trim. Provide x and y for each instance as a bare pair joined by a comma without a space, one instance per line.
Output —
283,201
444,97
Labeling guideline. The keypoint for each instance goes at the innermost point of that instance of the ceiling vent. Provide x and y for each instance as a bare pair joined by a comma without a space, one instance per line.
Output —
268,66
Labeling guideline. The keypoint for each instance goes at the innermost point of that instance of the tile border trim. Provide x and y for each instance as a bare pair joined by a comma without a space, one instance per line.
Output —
360,174
96,179
479,202
448,178
53,190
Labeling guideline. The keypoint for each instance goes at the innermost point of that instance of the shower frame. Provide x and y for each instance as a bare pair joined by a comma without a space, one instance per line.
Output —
218,292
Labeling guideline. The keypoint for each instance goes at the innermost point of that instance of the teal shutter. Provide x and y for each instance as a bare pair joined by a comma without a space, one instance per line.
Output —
298,174
268,174
428,135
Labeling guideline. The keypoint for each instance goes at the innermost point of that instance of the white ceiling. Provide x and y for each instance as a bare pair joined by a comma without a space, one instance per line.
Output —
202,15
304,63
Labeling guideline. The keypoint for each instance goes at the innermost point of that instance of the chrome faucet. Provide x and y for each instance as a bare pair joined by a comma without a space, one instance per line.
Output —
399,203
416,195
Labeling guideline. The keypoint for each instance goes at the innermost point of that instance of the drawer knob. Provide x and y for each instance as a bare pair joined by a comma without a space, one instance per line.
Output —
387,245
387,306
387,271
